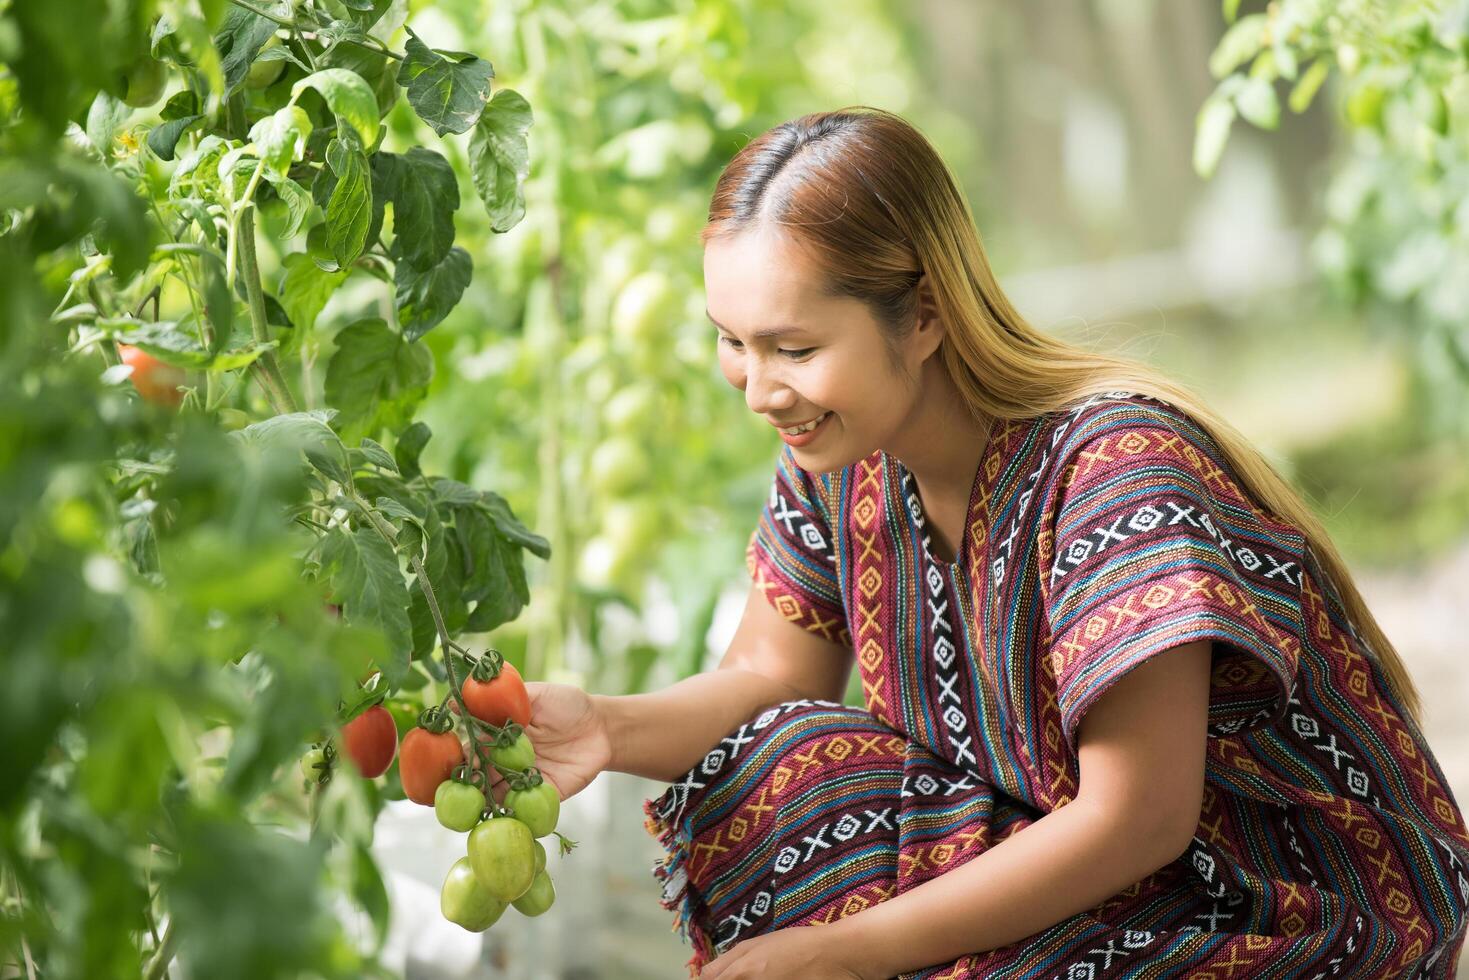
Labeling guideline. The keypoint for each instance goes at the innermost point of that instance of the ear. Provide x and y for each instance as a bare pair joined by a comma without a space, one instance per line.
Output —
928,330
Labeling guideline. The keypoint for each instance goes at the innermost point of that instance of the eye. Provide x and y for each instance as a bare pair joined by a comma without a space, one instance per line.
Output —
794,355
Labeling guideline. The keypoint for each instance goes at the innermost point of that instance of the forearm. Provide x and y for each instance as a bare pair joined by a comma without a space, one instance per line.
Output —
662,734
1069,861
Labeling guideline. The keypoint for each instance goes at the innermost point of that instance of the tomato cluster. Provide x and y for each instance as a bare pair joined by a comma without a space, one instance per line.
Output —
505,863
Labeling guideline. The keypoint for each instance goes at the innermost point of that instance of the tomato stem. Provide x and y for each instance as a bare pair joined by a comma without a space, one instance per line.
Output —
446,645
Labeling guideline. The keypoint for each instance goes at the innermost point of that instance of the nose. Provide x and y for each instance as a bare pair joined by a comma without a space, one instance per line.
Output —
765,394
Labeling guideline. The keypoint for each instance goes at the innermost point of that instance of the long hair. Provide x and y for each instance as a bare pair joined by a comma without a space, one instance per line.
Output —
875,206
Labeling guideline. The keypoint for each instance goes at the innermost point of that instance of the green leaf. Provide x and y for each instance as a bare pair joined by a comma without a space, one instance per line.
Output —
393,508
104,118
425,196
347,95
330,460
163,139
1231,10
448,95
366,579
409,446
296,199
306,288
1258,103
1305,90
454,493
499,510
367,882
1211,132
499,158
238,41
349,212
425,297
165,341
293,429
280,138
379,456
375,378
1240,43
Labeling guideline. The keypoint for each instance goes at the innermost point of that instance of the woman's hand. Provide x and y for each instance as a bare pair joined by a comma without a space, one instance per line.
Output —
794,953
569,735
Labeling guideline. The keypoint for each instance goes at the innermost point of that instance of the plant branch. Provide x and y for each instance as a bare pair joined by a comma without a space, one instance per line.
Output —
158,965
378,47
448,645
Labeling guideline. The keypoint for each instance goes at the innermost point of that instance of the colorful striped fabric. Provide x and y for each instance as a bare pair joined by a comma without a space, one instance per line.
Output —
1328,844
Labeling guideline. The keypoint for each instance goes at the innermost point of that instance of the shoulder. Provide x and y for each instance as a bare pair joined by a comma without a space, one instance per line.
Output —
1124,419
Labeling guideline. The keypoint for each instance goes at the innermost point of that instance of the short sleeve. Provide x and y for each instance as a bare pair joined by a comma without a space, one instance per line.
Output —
792,554
1153,544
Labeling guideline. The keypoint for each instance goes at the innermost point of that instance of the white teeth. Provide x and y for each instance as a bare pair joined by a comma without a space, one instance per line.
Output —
807,427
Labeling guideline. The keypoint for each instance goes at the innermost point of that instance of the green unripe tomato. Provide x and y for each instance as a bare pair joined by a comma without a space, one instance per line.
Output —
264,73
538,807
502,856
645,308
539,898
458,805
617,466
145,83
1364,106
464,901
518,755
313,762
540,856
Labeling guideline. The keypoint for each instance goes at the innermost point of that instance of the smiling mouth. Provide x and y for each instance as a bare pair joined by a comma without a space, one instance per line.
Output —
795,430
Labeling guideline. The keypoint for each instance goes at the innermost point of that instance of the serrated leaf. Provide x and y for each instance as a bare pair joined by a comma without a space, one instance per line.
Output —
349,96
1240,43
378,456
409,447
425,196
330,460
366,578
280,138
163,139
296,199
448,95
499,158
511,528
452,492
425,297
104,118
349,211
375,378
238,41
305,290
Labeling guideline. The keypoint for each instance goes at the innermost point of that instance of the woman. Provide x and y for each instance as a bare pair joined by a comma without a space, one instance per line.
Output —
1007,534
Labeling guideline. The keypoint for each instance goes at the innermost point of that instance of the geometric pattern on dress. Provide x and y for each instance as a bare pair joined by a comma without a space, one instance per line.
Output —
1387,842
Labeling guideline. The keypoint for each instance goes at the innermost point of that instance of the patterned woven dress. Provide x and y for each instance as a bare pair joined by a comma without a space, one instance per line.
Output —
1328,844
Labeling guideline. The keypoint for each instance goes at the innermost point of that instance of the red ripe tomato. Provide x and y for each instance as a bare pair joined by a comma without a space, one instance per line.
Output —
499,701
370,740
427,759
156,381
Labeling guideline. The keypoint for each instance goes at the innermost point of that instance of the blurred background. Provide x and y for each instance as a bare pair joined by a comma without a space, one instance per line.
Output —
1308,274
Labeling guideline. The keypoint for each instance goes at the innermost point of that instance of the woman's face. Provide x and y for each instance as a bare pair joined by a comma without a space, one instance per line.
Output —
828,359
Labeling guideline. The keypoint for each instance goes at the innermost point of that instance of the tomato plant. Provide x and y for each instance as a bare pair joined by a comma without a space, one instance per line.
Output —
502,856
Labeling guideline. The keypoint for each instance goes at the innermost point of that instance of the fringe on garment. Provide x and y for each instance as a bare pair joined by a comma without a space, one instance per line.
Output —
678,897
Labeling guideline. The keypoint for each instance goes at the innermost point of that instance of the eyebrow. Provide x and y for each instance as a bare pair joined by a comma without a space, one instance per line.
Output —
761,334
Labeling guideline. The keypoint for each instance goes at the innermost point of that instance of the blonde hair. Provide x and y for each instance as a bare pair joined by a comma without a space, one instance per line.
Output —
877,209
